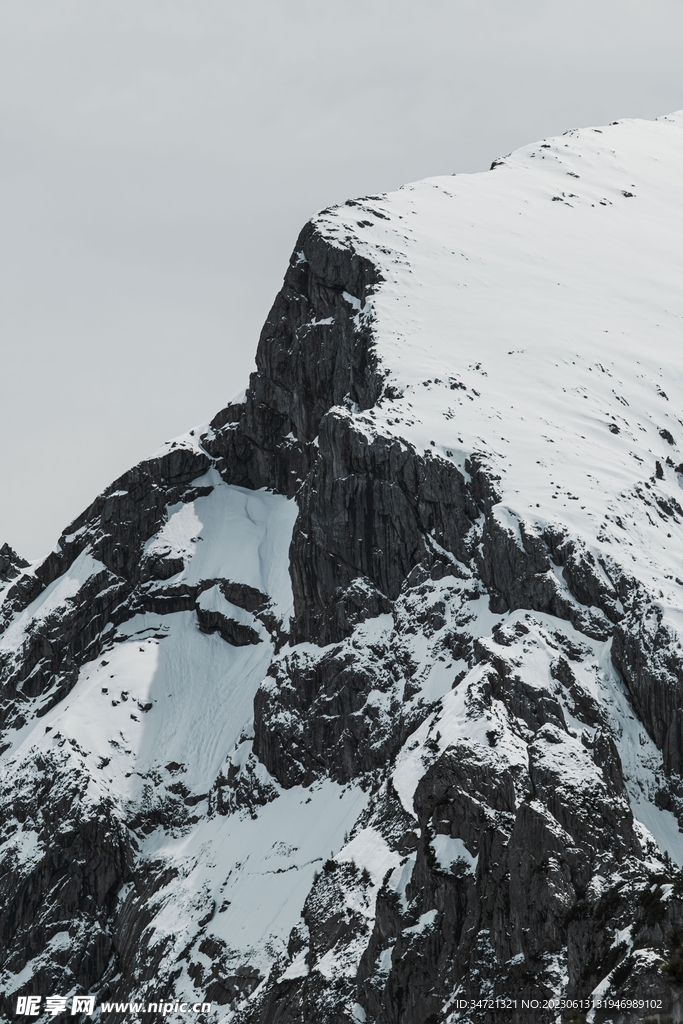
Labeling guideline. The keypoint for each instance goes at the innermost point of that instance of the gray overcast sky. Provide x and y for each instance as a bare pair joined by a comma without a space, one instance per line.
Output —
158,158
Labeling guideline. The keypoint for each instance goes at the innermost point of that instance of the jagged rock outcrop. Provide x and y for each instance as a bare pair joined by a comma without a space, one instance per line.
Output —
11,564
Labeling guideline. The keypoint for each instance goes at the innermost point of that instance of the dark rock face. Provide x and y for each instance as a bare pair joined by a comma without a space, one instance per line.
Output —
461,667
505,923
11,564
368,511
63,865
645,652
311,355
330,727
236,633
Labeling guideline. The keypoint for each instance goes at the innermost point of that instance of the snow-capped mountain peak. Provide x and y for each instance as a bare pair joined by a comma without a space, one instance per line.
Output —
363,702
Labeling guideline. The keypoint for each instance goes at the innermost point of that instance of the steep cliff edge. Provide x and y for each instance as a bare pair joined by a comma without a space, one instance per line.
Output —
364,701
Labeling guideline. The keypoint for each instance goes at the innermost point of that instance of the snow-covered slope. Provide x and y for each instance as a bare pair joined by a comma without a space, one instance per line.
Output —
364,702
534,314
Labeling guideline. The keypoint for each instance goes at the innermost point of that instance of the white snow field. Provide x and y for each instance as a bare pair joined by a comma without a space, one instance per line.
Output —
534,313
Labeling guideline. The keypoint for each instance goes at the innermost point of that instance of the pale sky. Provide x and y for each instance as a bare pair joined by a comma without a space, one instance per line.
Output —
159,157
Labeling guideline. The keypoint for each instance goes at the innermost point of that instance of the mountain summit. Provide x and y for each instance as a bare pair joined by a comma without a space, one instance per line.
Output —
364,703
